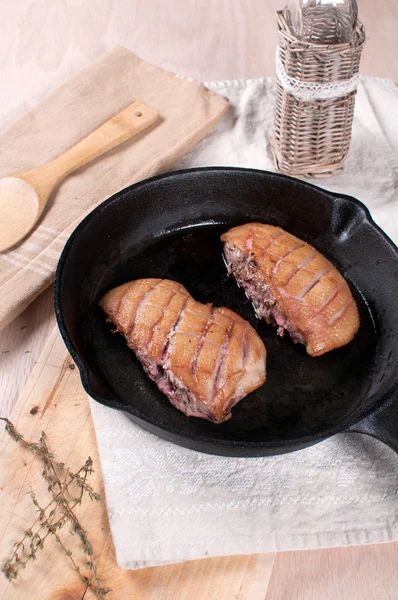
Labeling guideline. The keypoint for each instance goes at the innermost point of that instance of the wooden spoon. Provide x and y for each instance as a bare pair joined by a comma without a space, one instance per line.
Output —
23,197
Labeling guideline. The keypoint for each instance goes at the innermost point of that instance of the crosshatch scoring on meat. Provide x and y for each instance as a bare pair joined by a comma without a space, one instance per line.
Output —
292,286
204,359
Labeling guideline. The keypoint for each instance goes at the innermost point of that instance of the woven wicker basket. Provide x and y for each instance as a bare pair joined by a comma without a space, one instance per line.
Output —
315,98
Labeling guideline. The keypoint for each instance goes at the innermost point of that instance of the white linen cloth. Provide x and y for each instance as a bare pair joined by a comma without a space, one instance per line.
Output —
169,504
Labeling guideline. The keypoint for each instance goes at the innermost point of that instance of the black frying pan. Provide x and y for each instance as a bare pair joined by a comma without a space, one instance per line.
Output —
169,227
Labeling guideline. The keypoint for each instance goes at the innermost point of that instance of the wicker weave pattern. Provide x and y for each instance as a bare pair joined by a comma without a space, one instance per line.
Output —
312,137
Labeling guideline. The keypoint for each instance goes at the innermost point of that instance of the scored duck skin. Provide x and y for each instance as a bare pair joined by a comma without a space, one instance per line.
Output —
292,286
204,359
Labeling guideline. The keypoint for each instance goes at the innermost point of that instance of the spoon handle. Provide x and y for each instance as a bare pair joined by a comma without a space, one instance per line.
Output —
123,126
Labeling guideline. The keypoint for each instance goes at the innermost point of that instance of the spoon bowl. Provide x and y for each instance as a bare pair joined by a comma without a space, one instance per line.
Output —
19,210
23,197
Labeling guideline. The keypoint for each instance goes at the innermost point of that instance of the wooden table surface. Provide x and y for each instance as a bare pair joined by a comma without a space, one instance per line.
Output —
43,42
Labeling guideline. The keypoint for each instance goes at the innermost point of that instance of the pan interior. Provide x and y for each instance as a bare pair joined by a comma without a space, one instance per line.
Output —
302,395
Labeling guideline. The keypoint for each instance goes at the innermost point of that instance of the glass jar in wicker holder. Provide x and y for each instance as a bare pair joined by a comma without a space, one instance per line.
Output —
315,98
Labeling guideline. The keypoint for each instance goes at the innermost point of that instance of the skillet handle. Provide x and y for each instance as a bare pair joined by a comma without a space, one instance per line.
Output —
381,424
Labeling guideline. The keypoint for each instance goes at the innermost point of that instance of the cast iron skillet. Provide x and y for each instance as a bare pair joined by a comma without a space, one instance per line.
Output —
169,227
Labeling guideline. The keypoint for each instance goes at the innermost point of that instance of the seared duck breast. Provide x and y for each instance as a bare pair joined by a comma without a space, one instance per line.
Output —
204,359
292,286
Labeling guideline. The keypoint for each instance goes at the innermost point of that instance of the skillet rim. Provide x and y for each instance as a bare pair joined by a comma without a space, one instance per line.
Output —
132,412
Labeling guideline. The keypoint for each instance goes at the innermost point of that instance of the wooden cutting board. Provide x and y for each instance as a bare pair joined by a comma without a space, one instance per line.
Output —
54,401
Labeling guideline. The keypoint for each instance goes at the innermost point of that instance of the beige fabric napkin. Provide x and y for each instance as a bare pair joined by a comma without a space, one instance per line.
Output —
187,109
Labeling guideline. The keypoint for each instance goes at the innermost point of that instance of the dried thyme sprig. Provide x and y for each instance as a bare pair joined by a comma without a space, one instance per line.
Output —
56,514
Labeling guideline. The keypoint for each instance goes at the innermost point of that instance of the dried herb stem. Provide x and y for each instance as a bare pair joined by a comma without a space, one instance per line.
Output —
56,514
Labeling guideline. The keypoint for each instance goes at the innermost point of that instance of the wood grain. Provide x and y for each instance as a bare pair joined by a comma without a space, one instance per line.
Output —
61,408
24,196
41,45
121,127
360,572
21,344
44,43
